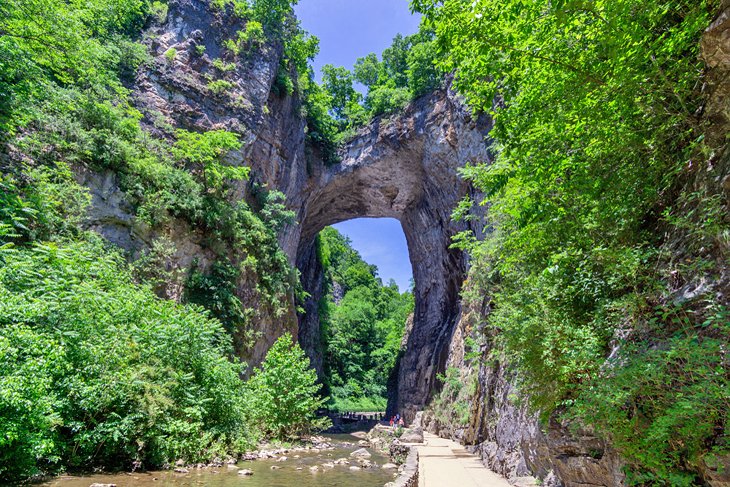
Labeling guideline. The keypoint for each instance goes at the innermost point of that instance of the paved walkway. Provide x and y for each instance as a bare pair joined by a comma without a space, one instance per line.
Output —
444,463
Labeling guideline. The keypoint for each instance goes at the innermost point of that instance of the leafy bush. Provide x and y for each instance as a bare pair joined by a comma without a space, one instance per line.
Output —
98,371
665,406
285,392
52,206
220,86
344,401
452,405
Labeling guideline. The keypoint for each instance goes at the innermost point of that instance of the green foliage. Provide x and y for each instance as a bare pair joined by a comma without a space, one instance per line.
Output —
407,70
367,70
322,129
216,291
219,86
387,98
95,371
338,82
285,392
662,404
223,66
595,109
452,405
283,84
362,331
159,10
254,33
203,153
52,206
98,371
358,404
170,54
46,45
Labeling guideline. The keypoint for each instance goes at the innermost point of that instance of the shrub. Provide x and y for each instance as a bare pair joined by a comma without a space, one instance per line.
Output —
285,392
97,371
254,33
223,66
220,86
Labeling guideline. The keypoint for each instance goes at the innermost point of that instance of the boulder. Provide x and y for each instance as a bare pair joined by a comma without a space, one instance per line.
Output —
412,435
362,452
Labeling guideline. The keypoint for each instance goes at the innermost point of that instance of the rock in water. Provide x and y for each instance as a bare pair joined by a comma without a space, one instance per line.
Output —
245,471
362,452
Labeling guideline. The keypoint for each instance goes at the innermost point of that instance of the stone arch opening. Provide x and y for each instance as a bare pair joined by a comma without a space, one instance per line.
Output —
404,168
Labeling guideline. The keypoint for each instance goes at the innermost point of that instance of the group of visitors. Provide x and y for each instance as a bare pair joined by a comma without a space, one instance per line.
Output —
397,420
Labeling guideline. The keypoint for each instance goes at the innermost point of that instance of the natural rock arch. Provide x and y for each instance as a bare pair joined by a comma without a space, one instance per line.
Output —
406,168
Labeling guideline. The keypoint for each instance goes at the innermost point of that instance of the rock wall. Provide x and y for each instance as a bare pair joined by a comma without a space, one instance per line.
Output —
173,91
509,438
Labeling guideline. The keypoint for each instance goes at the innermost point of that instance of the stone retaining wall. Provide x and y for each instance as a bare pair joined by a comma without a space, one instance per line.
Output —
409,476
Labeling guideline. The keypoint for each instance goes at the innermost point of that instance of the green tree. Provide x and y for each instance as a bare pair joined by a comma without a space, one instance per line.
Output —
368,70
205,153
285,392
97,371
361,330
423,75
395,61
338,82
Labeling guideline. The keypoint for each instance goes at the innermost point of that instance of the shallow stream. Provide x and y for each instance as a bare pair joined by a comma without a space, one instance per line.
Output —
293,472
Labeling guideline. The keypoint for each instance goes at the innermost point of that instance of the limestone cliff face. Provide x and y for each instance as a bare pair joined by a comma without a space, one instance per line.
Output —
510,439
173,91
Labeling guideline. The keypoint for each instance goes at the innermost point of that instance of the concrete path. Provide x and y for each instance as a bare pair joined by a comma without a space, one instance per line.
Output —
444,463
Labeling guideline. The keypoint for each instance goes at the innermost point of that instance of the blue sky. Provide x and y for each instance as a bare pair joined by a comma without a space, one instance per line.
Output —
347,30
380,241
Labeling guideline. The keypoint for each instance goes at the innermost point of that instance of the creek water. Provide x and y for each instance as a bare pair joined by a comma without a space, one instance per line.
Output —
294,472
